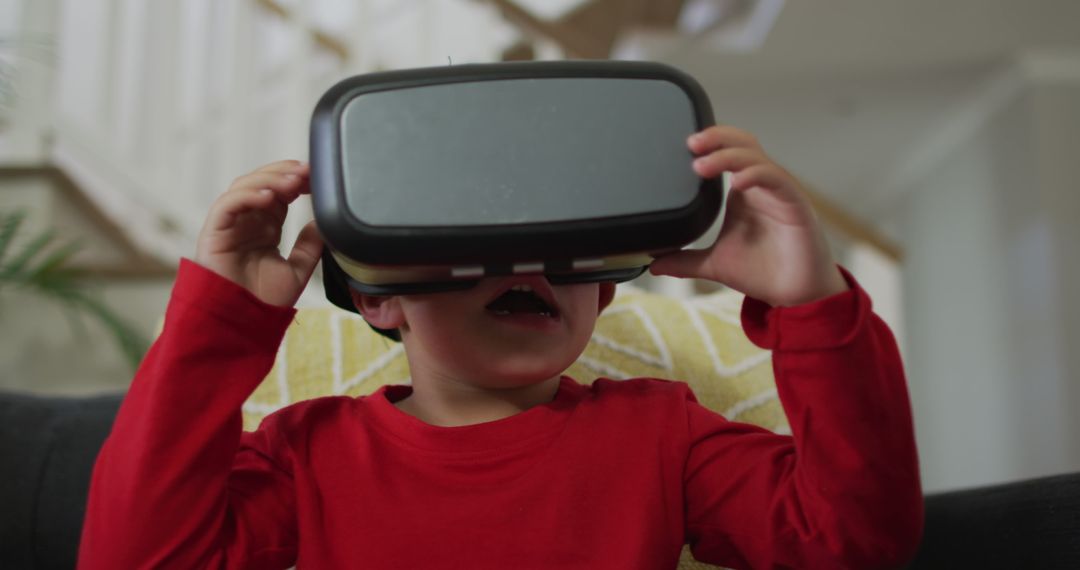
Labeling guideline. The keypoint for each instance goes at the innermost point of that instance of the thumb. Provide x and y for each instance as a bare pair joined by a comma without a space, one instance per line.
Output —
306,251
687,263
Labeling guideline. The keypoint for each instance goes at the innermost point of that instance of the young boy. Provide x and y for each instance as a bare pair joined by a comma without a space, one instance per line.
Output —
491,459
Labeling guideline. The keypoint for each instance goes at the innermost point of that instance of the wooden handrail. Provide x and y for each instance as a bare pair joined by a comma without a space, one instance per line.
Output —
590,30
572,42
137,264
321,38
851,227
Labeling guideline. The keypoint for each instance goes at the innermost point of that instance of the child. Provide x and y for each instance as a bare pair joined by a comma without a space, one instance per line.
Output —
491,459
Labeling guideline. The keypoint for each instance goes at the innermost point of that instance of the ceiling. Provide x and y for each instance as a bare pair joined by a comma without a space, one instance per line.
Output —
842,91
850,36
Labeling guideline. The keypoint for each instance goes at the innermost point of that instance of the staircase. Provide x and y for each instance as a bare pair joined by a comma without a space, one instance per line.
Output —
150,109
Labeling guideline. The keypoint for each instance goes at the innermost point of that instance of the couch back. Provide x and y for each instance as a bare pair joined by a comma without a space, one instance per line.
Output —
47,452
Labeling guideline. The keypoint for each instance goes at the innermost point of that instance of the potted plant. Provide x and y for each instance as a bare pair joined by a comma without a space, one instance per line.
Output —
41,264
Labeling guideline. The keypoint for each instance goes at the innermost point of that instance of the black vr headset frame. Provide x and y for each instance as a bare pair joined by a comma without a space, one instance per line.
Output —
502,245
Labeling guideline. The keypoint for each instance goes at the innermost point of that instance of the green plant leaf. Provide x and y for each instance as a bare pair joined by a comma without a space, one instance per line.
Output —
131,342
9,226
41,266
15,271
53,264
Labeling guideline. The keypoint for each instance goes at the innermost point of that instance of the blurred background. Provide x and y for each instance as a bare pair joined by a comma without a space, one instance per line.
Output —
940,141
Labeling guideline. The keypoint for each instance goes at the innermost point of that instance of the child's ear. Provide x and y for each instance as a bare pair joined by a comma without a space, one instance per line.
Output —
380,312
607,294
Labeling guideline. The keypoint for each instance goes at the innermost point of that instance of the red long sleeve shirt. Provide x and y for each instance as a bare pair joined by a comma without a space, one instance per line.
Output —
619,474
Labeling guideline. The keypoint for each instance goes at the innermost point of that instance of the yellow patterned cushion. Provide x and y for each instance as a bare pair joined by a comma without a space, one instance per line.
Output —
328,351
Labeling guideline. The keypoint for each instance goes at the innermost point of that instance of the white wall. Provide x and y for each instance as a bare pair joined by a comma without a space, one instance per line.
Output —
27,58
43,349
1057,132
988,314
882,279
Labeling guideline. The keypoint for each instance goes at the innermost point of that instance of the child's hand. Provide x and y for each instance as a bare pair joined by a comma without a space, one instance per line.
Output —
239,240
771,246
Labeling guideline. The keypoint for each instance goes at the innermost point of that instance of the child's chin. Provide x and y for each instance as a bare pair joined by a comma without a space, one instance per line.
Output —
519,377
521,371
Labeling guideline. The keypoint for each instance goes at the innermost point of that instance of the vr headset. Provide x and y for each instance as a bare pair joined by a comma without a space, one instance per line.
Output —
427,180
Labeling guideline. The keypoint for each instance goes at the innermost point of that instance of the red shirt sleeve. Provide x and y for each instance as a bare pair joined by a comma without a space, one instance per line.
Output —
176,485
843,490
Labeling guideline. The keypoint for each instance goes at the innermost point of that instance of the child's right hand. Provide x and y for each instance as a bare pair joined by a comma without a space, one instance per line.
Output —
239,240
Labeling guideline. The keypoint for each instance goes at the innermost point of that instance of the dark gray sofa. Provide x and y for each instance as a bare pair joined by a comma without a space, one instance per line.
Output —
48,446
47,450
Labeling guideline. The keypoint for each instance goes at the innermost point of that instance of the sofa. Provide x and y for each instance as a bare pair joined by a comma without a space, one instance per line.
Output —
47,451
48,444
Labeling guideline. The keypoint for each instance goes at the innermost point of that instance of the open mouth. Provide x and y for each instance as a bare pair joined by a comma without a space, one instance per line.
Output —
522,300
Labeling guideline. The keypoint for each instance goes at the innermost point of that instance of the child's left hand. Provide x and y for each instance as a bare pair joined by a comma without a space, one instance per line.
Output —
771,246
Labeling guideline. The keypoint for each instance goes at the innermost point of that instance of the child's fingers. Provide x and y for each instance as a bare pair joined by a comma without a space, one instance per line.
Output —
721,136
225,210
270,190
682,264
285,166
287,185
727,160
277,210
766,175
306,252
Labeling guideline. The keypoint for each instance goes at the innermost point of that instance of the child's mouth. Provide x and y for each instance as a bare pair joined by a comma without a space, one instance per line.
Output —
521,300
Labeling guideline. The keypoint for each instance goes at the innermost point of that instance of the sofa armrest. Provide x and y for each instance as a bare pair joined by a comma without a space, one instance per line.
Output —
1026,524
